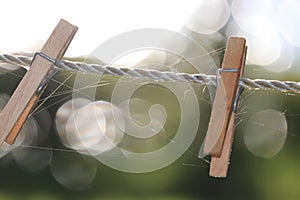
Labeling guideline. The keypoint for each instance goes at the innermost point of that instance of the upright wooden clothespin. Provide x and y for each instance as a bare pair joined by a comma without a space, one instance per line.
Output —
219,136
33,83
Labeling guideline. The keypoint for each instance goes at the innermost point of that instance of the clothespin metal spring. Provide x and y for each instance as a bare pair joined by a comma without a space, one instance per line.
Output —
52,73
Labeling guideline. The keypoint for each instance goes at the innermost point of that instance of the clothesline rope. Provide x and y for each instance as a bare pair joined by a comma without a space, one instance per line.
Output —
203,79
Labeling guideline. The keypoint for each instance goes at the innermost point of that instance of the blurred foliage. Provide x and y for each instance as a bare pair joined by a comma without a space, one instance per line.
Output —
249,177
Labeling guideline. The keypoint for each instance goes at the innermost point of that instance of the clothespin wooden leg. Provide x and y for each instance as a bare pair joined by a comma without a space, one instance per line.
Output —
220,130
28,91
219,165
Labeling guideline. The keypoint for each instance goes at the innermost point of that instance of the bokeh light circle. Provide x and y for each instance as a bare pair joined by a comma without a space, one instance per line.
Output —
110,52
64,113
265,28
209,17
74,172
265,133
288,21
266,47
32,159
241,10
28,133
44,120
26,153
92,128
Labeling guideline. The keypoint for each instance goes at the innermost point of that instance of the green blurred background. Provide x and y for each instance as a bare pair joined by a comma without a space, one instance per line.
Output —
249,177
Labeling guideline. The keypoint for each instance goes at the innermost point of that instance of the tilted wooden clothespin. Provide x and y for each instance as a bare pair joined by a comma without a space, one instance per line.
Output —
218,140
33,83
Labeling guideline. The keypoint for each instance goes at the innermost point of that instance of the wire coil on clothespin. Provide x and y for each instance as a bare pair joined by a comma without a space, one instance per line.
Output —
51,74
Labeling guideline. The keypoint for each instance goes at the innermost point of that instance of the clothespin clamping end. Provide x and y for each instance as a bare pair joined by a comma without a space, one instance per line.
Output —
219,137
34,82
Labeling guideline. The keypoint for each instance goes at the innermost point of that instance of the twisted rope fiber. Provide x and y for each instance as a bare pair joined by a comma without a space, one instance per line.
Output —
203,79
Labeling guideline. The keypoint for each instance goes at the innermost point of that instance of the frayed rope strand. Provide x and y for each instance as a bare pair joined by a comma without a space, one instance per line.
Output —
203,79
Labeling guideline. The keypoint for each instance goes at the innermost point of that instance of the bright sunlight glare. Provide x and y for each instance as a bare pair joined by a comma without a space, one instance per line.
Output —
27,30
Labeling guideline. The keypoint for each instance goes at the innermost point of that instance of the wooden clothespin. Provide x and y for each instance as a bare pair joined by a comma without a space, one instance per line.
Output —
33,83
219,136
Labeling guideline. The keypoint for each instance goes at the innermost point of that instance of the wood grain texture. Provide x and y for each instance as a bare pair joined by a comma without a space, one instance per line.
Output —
219,165
24,97
225,95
